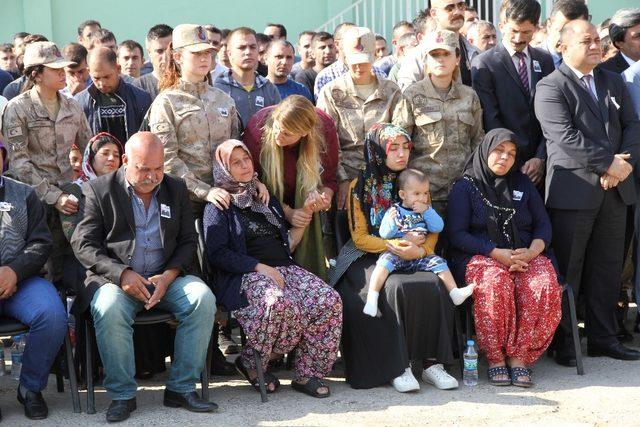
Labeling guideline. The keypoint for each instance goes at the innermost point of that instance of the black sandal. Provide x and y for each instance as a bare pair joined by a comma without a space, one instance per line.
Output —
494,372
311,388
518,372
269,378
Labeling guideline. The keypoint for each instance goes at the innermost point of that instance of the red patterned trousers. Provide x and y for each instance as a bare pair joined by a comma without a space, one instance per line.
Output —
516,314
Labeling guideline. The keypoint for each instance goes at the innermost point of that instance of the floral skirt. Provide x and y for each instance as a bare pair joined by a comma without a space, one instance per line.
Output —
306,315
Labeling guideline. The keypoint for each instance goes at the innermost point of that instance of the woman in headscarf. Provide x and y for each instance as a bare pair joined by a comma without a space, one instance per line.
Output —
102,155
295,152
499,231
416,325
279,305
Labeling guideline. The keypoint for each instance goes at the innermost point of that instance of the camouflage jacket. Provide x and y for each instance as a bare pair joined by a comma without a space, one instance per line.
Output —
354,116
444,132
191,120
39,146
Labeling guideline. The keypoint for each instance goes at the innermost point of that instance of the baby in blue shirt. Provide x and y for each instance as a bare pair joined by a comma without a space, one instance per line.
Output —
414,215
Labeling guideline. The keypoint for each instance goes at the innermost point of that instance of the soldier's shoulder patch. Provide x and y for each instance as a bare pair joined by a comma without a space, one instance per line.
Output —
160,127
14,131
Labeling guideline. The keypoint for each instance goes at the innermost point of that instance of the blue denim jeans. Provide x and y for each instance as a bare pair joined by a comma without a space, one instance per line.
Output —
114,312
37,305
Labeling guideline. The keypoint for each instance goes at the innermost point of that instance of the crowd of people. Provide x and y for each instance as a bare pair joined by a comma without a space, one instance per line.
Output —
469,164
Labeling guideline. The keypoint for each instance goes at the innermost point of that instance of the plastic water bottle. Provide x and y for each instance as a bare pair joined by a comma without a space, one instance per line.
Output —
17,350
470,375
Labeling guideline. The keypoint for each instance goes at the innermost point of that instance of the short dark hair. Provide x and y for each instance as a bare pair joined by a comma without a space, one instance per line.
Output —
75,52
108,55
6,47
241,30
20,35
571,9
225,33
283,30
408,174
306,33
521,11
262,38
605,45
274,43
88,23
131,45
213,29
102,35
472,9
321,36
421,22
159,31
379,37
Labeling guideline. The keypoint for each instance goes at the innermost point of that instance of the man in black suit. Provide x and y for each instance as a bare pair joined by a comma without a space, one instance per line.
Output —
505,79
562,12
592,144
136,240
624,30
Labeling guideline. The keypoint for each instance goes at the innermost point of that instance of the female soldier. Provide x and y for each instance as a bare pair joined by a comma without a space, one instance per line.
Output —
191,117
40,127
443,116
356,101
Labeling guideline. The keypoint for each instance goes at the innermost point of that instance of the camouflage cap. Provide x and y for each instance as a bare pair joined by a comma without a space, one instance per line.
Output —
441,39
45,53
191,37
359,46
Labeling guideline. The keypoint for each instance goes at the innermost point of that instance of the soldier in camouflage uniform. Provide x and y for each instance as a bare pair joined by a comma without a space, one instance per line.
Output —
356,103
39,128
444,117
192,118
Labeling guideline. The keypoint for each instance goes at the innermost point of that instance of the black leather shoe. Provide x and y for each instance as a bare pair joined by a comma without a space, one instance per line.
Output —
35,408
614,350
565,356
119,410
190,401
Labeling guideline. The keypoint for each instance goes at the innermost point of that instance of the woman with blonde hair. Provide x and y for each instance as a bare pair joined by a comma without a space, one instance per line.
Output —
295,151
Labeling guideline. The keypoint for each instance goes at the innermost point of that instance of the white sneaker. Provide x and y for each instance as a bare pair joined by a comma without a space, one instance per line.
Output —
437,376
406,382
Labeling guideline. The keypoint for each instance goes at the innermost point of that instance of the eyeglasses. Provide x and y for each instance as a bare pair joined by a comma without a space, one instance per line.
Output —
451,7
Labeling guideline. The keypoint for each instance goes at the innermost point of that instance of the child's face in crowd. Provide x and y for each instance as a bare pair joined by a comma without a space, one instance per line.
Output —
414,192
75,158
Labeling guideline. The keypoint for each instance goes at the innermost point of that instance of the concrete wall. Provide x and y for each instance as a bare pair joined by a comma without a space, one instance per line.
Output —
130,19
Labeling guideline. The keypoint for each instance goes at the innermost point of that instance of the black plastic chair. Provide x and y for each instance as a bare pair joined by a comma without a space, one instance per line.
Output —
151,317
10,327
207,275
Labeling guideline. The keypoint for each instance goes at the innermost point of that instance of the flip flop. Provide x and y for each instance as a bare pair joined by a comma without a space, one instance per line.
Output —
311,388
494,372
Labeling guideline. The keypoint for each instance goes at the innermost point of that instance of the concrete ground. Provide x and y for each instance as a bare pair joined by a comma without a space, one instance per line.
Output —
609,394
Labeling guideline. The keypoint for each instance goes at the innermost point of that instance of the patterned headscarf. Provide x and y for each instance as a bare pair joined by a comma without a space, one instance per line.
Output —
90,151
376,188
243,194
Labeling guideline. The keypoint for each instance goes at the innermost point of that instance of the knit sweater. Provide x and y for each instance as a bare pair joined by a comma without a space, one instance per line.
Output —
25,240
